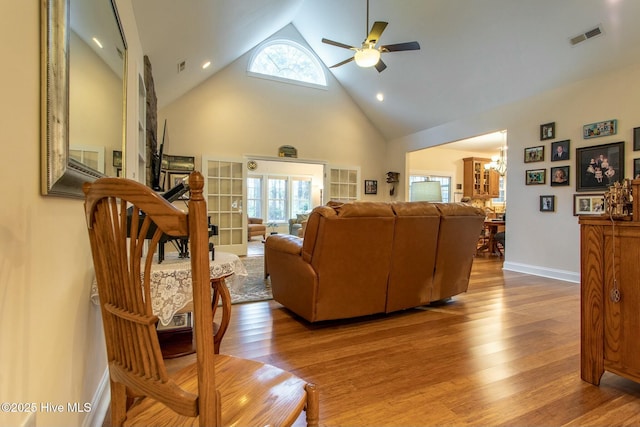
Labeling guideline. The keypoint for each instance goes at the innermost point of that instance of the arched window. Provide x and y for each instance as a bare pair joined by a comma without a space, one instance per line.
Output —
289,61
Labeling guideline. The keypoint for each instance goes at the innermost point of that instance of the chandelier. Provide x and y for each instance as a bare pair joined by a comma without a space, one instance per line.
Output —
498,163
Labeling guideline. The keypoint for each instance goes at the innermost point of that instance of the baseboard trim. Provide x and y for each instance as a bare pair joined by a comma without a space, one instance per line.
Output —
552,273
100,403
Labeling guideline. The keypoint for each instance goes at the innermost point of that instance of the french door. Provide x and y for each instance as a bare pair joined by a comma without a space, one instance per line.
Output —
224,191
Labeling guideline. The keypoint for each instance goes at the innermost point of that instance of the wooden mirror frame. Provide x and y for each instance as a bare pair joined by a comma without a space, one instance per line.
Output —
62,175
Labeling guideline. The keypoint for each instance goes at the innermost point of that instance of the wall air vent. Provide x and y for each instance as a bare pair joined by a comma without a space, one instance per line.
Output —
586,35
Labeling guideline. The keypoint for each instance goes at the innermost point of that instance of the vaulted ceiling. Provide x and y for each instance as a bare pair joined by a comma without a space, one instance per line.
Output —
475,54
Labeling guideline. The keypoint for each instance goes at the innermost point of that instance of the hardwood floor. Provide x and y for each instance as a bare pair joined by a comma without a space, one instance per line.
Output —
504,353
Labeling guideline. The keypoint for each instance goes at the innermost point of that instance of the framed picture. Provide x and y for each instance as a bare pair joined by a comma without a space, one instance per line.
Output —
535,176
636,139
588,204
117,159
595,130
598,167
547,203
176,178
370,186
547,131
179,163
179,321
636,168
560,150
559,176
534,154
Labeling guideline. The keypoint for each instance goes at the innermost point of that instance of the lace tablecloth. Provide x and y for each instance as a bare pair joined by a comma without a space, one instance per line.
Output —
170,282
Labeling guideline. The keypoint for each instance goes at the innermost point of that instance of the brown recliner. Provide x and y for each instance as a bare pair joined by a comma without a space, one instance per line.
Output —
255,227
460,226
364,258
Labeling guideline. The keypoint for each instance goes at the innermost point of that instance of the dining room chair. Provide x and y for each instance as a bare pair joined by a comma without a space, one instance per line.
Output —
216,390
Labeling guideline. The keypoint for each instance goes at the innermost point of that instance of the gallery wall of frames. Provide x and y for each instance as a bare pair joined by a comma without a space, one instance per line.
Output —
592,169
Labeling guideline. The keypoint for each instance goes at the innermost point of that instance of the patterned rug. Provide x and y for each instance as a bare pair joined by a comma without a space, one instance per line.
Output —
253,287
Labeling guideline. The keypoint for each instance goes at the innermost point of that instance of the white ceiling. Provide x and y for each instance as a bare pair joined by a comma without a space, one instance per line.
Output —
475,54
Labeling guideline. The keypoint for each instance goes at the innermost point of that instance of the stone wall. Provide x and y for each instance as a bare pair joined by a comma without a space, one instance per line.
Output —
151,121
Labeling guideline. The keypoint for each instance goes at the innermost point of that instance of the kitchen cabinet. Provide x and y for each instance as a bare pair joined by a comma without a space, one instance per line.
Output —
479,182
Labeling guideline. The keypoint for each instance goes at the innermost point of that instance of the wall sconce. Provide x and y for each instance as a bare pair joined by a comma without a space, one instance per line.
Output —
393,178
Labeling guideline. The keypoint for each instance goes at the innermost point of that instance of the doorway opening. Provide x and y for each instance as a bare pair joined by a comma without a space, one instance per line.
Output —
473,169
282,192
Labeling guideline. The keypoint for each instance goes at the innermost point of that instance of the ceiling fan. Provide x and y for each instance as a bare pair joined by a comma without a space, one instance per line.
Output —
368,55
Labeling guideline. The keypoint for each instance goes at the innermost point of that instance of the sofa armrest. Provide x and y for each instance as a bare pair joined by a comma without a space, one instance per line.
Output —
284,243
255,220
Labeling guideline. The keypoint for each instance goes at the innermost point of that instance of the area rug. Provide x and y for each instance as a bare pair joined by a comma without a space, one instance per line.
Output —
253,287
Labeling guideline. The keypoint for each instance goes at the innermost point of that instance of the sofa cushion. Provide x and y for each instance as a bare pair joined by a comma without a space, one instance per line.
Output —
414,252
415,209
364,209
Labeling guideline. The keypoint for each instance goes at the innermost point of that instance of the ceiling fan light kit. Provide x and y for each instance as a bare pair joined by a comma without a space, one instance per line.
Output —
368,55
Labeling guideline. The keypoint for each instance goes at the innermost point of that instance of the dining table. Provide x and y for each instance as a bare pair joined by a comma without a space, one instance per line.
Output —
491,227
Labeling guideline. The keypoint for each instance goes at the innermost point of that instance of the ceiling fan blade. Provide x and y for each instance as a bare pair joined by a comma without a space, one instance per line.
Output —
346,61
400,47
338,44
381,66
376,31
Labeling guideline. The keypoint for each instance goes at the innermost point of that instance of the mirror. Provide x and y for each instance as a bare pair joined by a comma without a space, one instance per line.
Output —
83,93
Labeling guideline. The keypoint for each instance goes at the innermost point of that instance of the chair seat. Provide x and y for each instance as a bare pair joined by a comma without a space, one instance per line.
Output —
247,388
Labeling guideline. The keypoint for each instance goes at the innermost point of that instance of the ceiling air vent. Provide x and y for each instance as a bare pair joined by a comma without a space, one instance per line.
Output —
586,35
181,66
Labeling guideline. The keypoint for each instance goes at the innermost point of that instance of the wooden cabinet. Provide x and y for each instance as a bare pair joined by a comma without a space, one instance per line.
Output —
480,183
609,255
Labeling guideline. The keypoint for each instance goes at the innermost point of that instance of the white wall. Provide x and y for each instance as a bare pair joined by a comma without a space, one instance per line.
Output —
51,344
234,115
544,243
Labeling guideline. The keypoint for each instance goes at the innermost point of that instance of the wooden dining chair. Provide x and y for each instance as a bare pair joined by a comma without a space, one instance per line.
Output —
216,390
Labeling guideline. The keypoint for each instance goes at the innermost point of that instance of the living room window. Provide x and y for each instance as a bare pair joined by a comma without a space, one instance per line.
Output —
282,198
254,197
445,184
287,61
300,196
277,199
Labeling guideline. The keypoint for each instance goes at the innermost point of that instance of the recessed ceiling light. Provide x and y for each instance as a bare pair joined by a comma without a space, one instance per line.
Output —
206,65
96,41
380,96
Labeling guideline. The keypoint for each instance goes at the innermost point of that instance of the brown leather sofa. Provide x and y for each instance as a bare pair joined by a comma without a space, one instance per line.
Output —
365,258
